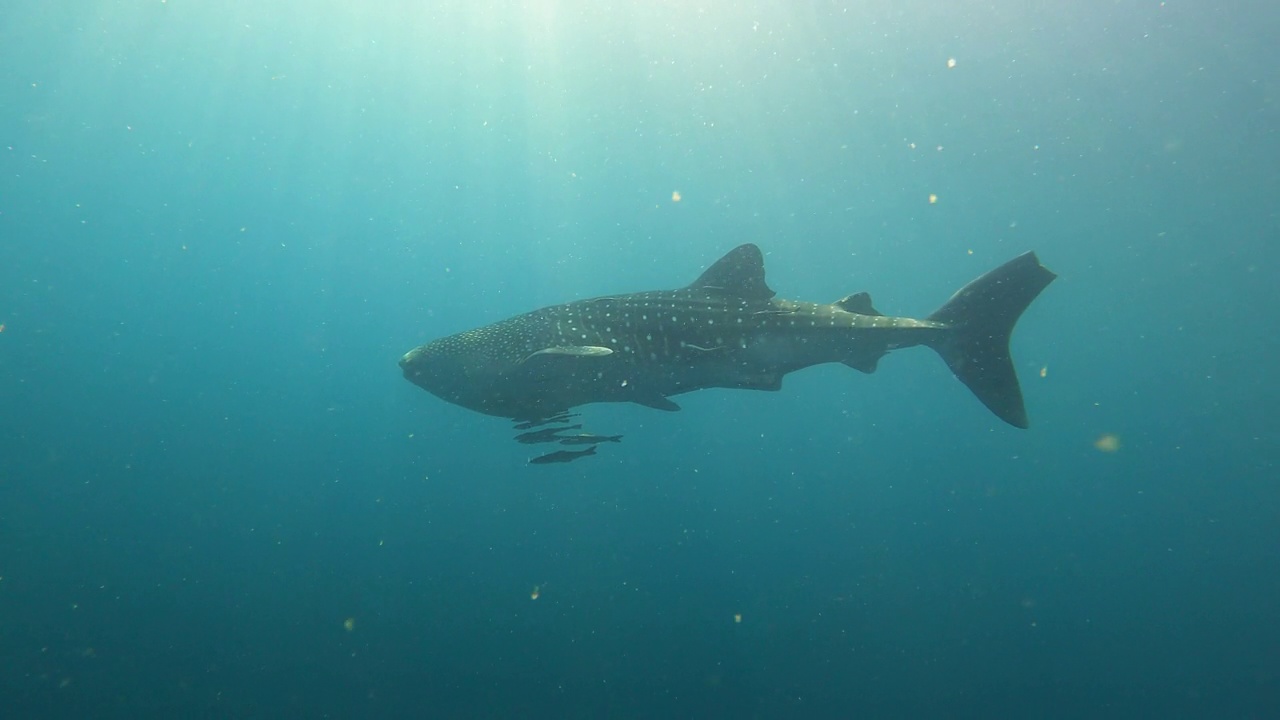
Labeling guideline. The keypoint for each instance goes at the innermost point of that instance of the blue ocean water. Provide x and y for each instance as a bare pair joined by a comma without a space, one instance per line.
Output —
221,224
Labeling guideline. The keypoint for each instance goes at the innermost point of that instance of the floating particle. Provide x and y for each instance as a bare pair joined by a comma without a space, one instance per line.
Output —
1,327
951,62
933,199
737,617
1044,371
537,590
1107,443
675,196
349,624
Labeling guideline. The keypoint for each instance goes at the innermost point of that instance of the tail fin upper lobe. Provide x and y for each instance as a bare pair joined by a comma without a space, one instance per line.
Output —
982,315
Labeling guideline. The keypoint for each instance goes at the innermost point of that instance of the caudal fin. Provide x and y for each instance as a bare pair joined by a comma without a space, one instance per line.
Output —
982,315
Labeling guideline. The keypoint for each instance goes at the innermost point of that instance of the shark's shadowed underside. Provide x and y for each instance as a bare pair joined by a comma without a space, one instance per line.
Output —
726,330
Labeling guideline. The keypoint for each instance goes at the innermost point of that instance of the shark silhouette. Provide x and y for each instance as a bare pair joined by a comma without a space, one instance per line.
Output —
726,330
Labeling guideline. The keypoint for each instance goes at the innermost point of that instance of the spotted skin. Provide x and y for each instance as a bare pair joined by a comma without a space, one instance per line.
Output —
726,330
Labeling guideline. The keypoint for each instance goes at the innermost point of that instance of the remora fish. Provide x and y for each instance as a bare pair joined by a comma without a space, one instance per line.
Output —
544,435
725,330
562,456
588,439
558,419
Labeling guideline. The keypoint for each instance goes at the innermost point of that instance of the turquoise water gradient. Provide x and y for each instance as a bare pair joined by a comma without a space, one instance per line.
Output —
221,224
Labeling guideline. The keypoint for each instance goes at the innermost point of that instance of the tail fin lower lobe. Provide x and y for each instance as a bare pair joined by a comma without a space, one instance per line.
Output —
981,316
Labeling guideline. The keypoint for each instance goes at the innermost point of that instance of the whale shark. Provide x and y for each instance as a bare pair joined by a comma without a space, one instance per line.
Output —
725,330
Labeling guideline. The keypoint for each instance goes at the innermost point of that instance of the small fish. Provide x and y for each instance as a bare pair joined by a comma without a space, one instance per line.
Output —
588,439
544,435
562,456
539,422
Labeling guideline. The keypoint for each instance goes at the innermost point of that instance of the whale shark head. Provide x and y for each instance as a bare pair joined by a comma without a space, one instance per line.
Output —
467,369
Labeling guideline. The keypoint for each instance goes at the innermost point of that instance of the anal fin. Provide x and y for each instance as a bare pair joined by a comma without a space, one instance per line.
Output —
867,362
655,401
768,381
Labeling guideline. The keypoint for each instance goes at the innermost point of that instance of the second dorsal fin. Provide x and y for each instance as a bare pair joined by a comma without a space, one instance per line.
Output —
859,303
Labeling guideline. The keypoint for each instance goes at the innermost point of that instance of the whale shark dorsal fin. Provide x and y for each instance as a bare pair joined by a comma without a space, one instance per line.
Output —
859,303
739,273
